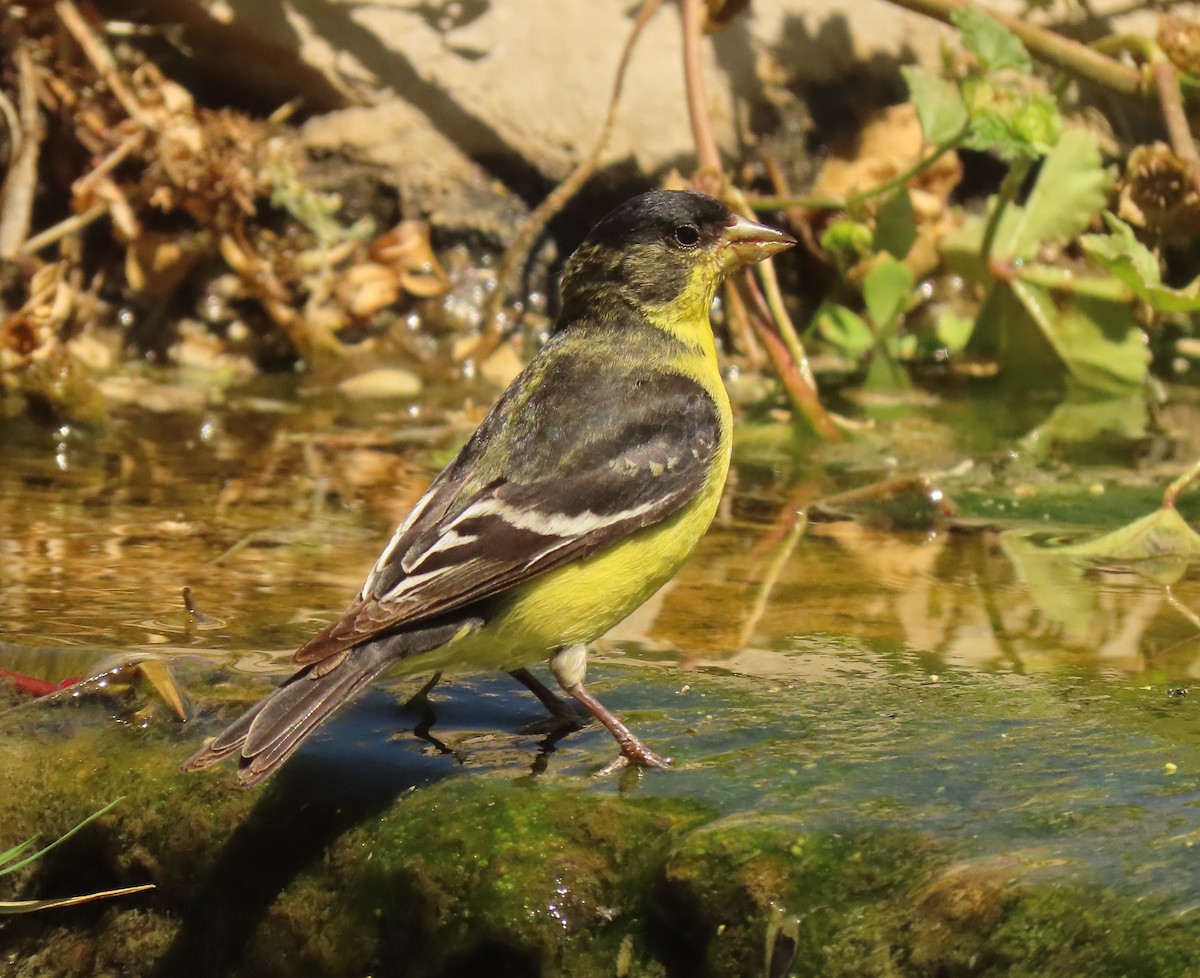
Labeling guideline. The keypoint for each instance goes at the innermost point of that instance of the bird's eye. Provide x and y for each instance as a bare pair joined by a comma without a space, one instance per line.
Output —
687,235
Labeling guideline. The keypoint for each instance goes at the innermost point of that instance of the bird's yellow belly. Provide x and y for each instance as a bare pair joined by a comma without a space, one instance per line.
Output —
582,600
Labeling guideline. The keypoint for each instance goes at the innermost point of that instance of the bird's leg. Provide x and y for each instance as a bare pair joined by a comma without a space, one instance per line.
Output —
557,708
569,666
420,699
421,702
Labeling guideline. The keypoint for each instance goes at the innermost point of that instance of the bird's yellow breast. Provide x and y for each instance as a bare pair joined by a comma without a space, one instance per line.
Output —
584,599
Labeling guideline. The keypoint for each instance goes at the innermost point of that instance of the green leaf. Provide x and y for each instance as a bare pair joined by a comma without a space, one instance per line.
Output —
1055,582
1010,122
1071,187
996,47
1131,262
844,329
886,291
885,374
1060,279
1162,532
1004,331
1099,342
939,105
847,241
953,331
896,225
1081,418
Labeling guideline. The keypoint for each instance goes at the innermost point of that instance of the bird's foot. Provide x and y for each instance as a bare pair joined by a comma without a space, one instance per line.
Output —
564,714
638,754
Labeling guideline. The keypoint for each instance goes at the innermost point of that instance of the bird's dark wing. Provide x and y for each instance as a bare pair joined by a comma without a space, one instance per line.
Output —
584,463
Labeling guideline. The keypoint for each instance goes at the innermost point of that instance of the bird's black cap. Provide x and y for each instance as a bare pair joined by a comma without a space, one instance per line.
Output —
655,215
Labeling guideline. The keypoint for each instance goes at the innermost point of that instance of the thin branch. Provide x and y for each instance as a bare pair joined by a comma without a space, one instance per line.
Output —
492,333
1166,80
76,222
1176,487
1010,186
801,393
774,300
854,200
707,153
770,577
12,122
29,906
20,187
95,50
781,342
1071,56
84,185
739,323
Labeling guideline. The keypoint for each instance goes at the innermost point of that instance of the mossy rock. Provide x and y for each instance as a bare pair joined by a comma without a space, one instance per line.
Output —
407,864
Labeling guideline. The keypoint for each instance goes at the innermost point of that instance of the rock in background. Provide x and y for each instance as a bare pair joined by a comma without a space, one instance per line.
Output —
474,101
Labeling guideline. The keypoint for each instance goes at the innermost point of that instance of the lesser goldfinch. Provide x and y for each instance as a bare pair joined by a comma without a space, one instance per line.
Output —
581,493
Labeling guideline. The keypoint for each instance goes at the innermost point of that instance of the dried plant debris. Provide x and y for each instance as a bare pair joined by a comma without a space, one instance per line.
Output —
127,208
1180,41
1157,195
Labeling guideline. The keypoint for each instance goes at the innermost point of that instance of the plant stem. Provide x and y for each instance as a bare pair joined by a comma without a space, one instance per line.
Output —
1071,56
849,203
1009,188
782,343
794,374
1166,80
707,153
69,225
18,190
1176,487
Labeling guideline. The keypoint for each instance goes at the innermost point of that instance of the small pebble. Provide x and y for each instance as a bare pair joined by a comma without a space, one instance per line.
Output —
380,383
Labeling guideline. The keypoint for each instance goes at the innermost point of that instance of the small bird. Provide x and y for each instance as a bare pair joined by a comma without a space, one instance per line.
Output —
585,488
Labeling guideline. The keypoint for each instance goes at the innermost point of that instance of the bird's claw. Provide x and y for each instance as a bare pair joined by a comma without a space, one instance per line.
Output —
640,756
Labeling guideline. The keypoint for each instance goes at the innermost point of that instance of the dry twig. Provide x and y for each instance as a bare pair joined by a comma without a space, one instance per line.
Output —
70,225
16,204
102,60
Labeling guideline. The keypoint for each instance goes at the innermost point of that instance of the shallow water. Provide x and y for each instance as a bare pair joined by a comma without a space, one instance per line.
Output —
954,679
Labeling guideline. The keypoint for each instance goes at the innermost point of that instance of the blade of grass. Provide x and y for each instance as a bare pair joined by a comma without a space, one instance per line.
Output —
59,841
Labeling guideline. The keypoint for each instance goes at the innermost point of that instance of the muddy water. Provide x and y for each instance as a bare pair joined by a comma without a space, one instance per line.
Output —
1006,734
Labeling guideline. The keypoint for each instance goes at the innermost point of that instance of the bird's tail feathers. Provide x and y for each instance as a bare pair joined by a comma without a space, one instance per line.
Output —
269,732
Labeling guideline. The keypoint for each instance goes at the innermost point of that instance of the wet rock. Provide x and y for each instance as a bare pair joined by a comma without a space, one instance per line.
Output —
464,872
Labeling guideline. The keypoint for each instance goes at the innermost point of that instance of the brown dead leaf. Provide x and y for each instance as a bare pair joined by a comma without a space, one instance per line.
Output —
1180,41
406,249
890,143
156,263
1155,193
159,676
365,289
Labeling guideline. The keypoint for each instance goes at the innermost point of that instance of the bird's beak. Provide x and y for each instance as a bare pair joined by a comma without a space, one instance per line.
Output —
744,242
